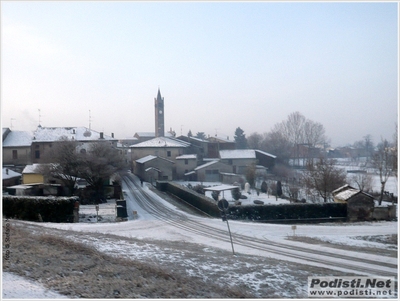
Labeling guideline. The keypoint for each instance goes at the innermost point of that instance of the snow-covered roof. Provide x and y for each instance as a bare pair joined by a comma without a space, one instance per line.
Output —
345,192
48,134
21,187
206,165
222,139
151,134
18,139
187,157
146,159
265,153
9,174
31,168
342,188
161,142
152,168
221,188
237,154
199,139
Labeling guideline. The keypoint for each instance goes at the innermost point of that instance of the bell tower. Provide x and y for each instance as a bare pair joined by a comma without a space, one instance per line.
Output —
159,114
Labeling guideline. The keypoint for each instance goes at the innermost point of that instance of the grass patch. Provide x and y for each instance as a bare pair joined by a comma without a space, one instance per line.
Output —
79,271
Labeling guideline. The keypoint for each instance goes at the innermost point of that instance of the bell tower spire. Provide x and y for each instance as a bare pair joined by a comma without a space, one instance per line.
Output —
159,114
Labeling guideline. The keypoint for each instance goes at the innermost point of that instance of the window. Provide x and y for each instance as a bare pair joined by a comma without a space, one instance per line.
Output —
168,153
186,161
15,154
230,162
37,154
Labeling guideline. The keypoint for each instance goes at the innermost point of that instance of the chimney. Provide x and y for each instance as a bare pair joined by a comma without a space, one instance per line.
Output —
6,171
101,135
112,135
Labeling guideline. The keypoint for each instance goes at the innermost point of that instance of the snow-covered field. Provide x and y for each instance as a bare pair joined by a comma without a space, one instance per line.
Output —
146,227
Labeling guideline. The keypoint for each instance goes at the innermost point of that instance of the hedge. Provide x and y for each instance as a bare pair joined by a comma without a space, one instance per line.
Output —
51,209
290,212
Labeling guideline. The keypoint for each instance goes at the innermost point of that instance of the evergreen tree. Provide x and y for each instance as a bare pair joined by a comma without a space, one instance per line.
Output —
201,135
190,133
240,139
279,188
236,194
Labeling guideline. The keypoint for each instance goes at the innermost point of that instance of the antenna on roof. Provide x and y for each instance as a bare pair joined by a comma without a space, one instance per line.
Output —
11,122
90,121
39,117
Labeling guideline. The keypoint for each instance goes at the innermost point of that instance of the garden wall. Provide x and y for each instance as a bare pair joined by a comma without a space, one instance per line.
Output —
191,197
286,213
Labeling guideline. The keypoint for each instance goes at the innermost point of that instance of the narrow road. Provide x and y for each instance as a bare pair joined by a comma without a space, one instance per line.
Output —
332,258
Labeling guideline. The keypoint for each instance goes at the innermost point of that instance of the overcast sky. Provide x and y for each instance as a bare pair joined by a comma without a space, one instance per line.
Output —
219,66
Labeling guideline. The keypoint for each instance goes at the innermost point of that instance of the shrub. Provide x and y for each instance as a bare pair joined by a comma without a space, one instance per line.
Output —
51,209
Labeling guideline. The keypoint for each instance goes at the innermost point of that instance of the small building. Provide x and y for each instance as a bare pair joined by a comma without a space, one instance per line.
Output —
184,164
10,177
162,147
360,205
32,174
151,168
241,159
210,171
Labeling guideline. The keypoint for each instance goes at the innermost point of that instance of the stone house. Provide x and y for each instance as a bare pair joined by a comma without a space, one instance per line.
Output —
163,147
211,171
241,159
360,205
185,164
151,168
45,137
16,147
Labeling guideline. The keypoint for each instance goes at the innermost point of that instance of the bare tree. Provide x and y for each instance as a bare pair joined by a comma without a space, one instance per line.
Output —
292,129
363,181
100,162
297,130
64,163
395,151
254,141
322,177
275,143
314,133
383,160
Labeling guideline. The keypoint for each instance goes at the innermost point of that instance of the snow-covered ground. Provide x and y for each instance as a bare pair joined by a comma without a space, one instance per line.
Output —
17,287
146,226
